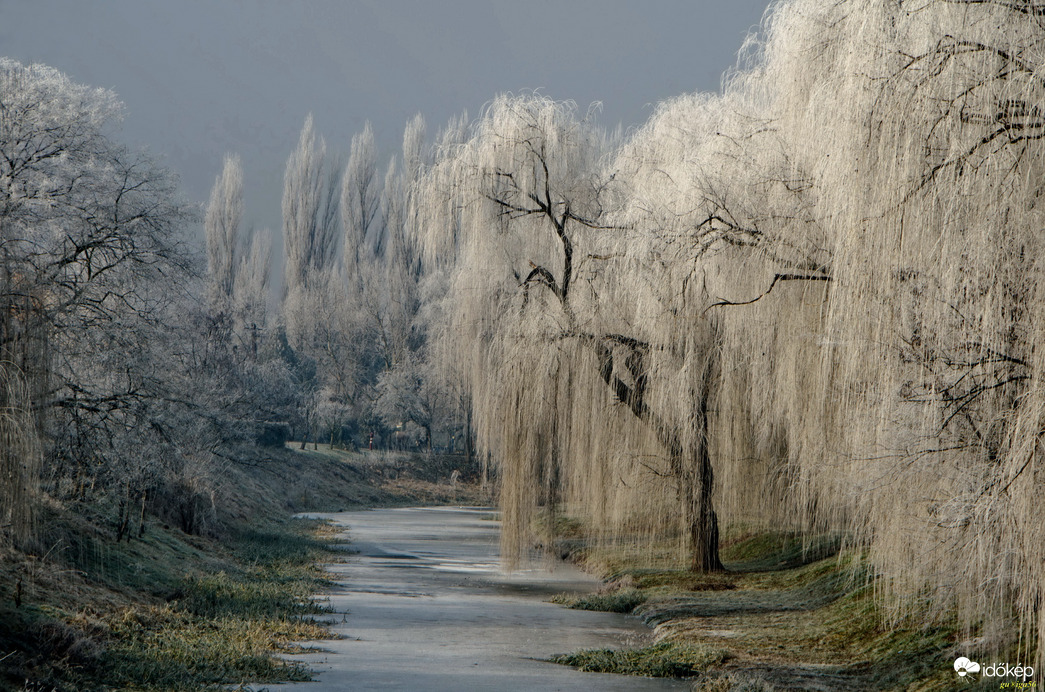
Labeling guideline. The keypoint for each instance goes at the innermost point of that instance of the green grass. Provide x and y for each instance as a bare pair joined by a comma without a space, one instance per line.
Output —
619,601
168,611
776,550
662,660
162,610
169,649
790,613
221,628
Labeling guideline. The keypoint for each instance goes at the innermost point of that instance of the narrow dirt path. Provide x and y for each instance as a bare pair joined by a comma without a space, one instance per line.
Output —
423,605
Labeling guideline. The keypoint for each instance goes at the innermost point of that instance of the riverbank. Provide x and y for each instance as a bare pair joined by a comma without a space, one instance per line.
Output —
170,610
165,609
787,615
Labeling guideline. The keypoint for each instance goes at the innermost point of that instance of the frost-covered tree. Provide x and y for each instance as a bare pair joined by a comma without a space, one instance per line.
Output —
540,329
328,304
360,206
401,333
361,292
222,227
414,148
251,287
376,301
309,233
920,126
92,258
861,207
413,398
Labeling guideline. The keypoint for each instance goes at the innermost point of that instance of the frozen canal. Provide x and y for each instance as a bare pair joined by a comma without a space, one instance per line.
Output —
426,607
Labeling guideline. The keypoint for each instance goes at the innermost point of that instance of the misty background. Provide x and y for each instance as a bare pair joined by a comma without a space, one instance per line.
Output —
202,78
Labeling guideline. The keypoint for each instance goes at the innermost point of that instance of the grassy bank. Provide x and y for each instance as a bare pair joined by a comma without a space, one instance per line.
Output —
167,610
785,616
161,612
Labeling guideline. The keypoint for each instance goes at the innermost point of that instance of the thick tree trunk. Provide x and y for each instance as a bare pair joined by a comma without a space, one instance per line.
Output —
703,531
690,463
692,467
695,500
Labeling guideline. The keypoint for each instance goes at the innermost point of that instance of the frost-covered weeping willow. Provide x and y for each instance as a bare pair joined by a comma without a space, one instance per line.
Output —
918,127
565,327
829,278
897,156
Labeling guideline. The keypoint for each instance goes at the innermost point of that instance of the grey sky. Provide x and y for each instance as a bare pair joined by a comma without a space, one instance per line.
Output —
205,77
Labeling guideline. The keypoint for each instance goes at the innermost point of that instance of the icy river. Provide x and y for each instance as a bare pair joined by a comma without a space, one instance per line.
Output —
422,604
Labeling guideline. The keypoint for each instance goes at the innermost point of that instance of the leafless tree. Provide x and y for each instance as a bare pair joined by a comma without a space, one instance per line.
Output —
92,256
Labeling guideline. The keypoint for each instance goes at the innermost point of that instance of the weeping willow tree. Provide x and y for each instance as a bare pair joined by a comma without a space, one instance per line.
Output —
715,201
824,283
863,204
912,134
572,378
604,311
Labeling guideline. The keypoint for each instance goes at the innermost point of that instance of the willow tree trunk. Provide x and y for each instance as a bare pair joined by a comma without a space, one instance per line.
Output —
696,484
703,520
696,479
690,461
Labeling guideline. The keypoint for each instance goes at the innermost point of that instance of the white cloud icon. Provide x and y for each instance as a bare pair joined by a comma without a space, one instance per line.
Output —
964,666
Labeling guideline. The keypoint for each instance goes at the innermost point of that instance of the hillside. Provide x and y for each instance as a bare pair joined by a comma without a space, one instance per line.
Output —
165,609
